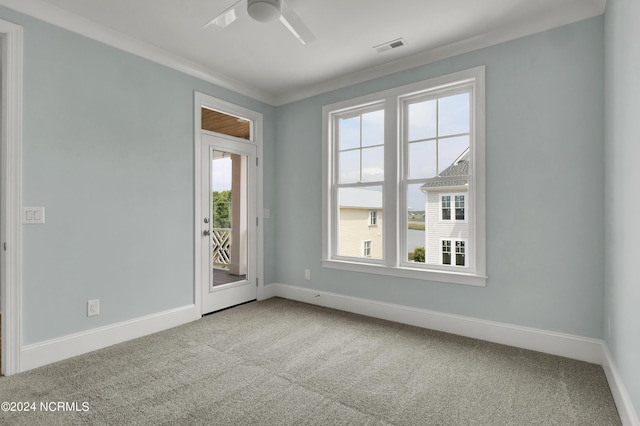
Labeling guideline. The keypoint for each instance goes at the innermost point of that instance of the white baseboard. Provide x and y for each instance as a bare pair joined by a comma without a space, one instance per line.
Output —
566,345
47,352
266,292
627,413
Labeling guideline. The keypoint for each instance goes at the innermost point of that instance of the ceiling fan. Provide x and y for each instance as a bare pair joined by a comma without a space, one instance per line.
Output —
266,11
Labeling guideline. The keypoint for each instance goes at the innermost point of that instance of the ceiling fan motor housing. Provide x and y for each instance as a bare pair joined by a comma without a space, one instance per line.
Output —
264,10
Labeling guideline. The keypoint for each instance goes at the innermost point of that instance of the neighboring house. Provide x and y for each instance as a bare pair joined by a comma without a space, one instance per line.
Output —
446,224
360,230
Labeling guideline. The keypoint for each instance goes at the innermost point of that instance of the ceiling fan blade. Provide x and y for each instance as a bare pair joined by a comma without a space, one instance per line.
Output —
295,24
227,17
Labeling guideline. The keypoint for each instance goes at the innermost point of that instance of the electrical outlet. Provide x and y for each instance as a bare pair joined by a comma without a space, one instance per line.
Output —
93,307
307,274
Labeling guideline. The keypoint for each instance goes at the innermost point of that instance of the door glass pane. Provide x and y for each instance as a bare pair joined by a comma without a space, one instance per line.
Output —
228,218
219,122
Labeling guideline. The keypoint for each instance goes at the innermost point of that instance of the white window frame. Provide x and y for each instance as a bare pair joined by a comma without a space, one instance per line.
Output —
373,217
394,198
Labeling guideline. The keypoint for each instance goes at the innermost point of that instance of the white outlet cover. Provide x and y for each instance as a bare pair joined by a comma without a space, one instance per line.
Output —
93,307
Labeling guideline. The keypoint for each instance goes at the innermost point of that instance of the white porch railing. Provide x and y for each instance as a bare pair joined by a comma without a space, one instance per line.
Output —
221,241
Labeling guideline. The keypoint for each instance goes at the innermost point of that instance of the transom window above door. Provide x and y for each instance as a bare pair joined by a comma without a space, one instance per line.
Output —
230,125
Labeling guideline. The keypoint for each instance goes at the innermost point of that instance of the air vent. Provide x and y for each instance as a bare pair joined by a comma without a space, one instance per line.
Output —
394,44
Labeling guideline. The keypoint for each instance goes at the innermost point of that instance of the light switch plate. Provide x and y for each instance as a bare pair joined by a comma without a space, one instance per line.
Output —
32,215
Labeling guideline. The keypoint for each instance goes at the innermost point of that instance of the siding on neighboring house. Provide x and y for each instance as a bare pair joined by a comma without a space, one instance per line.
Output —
437,229
354,229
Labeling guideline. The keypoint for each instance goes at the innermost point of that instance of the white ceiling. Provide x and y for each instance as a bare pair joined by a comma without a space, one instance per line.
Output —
266,62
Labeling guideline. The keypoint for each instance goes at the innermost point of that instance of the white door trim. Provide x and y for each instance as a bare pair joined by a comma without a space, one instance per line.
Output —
11,196
204,100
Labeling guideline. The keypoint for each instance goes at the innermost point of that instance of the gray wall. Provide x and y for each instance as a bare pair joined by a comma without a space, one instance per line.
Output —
545,186
108,150
622,295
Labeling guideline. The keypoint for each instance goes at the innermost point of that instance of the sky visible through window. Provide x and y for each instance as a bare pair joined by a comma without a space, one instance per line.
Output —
438,134
221,174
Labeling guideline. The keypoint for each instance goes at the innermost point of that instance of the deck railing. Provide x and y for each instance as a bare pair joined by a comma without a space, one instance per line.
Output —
221,242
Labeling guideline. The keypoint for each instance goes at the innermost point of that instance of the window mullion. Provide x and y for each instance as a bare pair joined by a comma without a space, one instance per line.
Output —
391,185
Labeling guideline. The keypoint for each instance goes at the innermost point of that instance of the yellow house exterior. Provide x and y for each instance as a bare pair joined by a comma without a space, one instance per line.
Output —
360,223
355,230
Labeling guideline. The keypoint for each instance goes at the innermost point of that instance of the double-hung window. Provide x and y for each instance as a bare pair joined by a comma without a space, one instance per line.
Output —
373,217
452,207
403,171
366,248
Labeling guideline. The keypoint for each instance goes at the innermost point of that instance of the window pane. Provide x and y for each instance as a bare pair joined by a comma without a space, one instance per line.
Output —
415,233
349,133
422,120
459,207
373,217
354,205
453,115
460,252
449,150
446,252
366,249
422,160
373,164
350,166
373,128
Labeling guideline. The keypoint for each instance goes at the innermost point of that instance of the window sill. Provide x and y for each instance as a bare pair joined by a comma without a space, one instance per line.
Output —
404,272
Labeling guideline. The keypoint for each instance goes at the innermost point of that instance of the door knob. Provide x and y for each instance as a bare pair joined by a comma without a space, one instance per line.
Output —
206,232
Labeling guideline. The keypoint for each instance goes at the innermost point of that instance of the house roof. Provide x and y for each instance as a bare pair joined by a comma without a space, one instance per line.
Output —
458,171
360,198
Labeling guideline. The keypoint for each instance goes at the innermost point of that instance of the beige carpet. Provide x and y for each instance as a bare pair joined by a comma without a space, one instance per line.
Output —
280,362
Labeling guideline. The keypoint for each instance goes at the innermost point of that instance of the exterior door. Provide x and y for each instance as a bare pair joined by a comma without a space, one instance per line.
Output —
228,222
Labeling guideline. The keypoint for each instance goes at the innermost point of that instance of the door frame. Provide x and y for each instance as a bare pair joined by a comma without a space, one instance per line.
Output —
204,100
11,36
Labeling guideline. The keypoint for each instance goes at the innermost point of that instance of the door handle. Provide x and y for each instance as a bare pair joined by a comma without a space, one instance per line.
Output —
206,232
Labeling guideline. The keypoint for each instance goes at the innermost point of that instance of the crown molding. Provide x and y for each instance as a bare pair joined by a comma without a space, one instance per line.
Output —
576,11
565,14
90,29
